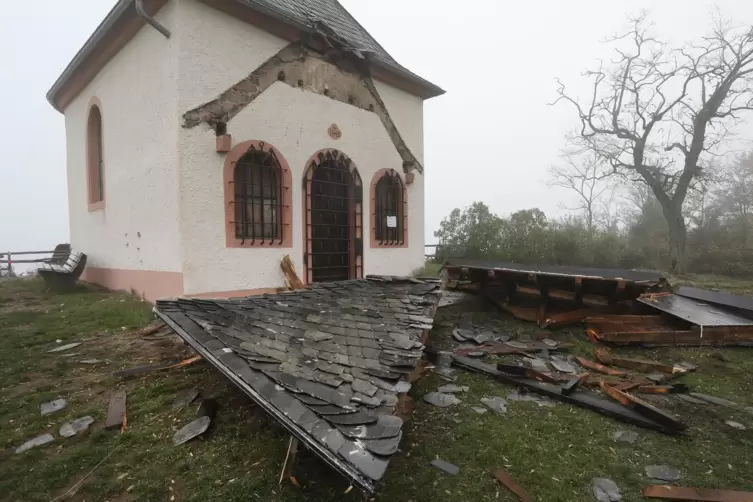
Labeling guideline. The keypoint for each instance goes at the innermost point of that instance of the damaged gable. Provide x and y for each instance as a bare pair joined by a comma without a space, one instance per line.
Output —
337,75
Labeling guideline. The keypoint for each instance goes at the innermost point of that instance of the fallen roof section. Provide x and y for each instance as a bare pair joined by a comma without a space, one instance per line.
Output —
327,362
556,270
717,297
693,311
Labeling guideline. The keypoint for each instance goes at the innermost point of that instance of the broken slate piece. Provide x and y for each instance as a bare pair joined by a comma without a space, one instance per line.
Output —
190,431
462,335
318,336
74,427
538,364
185,398
517,395
53,406
690,399
605,490
736,425
656,377
625,436
440,399
517,345
495,403
563,366
482,338
37,441
452,388
714,400
663,473
445,466
91,361
686,366
65,347
476,353
549,342
402,387
479,409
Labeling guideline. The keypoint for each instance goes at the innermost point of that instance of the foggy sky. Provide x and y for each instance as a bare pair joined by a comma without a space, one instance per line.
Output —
492,137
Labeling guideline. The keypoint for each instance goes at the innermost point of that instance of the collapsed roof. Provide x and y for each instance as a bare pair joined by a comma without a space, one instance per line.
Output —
328,362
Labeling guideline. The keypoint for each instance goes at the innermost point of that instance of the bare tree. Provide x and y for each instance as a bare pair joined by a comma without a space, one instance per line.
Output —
584,175
655,113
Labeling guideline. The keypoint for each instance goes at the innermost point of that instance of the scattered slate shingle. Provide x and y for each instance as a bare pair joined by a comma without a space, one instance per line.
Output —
663,473
73,427
37,441
53,406
65,347
342,348
445,466
625,436
605,490
495,403
441,399
189,431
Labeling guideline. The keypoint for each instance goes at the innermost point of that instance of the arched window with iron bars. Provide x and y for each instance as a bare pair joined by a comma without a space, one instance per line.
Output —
259,214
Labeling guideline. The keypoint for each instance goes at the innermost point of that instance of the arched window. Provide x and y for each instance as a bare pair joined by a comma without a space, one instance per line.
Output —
95,165
388,203
258,197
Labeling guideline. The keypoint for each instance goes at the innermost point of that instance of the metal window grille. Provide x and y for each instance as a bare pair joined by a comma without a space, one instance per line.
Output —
388,210
259,197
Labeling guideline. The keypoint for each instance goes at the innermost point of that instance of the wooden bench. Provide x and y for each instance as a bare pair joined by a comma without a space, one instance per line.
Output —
64,268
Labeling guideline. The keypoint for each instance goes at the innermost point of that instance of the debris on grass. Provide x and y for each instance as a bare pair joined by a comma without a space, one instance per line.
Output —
73,427
445,466
495,403
193,429
185,398
53,406
452,388
715,400
605,490
663,473
735,425
92,361
441,399
625,436
116,410
479,409
37,441
142,370
517,395
65,347
506,480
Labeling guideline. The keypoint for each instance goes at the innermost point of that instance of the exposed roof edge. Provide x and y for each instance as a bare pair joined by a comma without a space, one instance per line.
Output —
124,12
86,50
430,90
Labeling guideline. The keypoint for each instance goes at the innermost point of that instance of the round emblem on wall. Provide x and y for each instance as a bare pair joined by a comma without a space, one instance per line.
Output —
334,132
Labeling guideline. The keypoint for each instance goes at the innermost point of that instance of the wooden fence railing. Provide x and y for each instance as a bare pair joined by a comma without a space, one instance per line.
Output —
8,259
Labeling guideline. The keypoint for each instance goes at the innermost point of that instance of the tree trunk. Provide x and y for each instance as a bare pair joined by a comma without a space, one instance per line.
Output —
678,236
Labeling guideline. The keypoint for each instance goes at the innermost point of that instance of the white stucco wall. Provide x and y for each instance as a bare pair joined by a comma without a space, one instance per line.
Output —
295,122
216,51
139,227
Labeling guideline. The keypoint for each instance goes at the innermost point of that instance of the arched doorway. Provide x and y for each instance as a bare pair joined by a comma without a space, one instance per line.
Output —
333,218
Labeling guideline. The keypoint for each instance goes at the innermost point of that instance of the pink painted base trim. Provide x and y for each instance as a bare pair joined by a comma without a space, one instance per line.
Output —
236,293
148,284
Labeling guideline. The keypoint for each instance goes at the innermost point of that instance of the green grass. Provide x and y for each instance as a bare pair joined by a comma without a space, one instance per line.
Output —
553,452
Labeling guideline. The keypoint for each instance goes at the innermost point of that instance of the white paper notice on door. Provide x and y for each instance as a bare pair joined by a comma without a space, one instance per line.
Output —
391,221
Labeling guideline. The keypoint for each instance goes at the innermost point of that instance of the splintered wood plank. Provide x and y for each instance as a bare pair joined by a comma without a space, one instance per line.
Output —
116,410
291,277
668,492
506,480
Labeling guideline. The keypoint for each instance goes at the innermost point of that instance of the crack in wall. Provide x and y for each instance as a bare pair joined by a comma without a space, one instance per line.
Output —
296,65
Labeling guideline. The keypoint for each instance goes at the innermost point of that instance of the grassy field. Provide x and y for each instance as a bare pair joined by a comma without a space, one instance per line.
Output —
553,452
